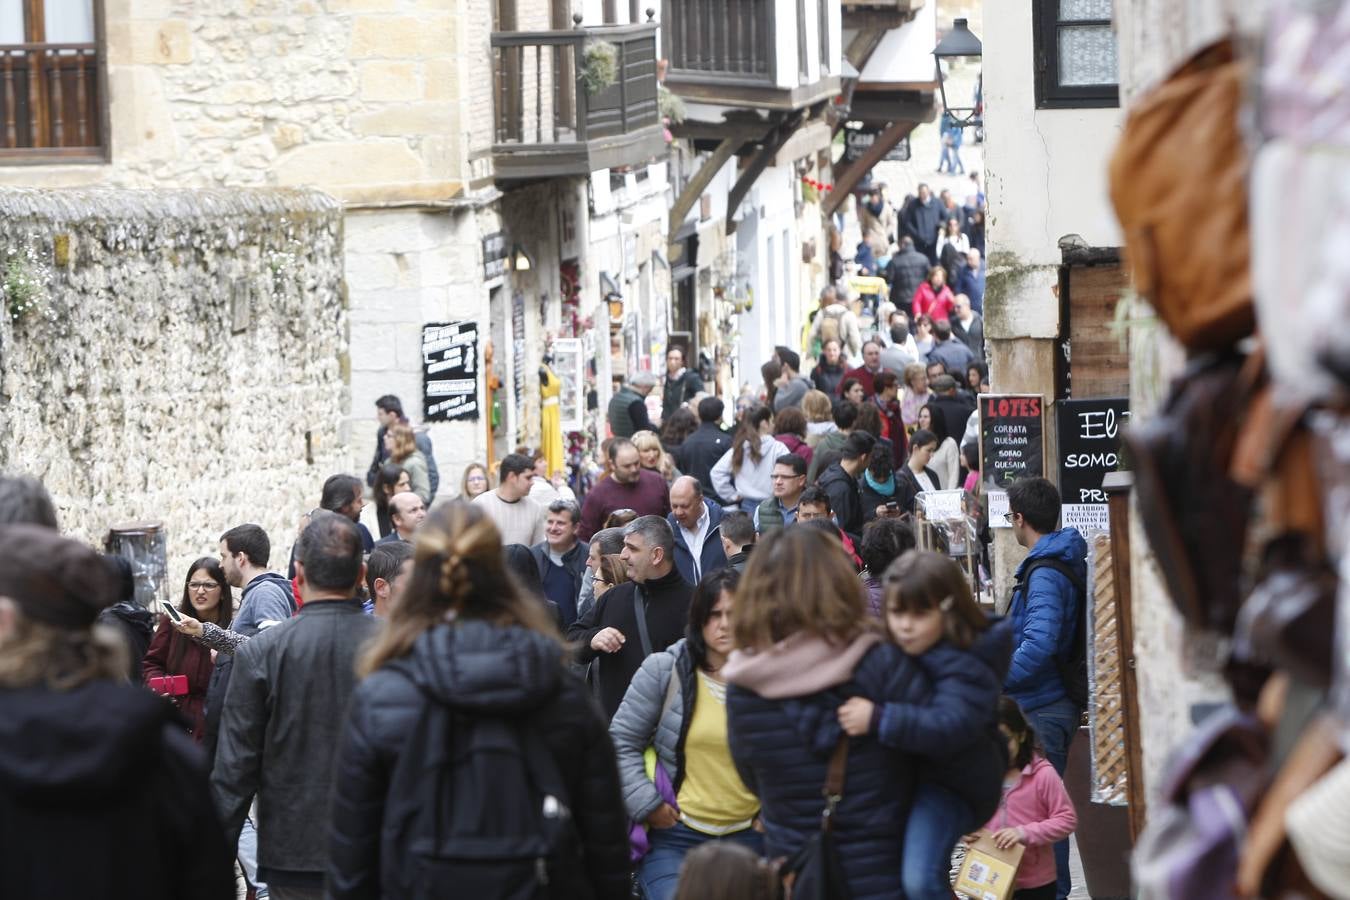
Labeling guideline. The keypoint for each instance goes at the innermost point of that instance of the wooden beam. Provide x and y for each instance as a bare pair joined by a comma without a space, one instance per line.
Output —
773,142
863,45
848,175
696,185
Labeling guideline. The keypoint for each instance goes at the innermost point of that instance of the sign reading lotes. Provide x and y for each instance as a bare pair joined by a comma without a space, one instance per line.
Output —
1012,445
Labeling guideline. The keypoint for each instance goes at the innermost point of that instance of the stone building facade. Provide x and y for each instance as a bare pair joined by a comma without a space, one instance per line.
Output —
387,106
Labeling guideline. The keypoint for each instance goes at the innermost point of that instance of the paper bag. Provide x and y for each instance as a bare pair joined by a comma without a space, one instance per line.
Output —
988,873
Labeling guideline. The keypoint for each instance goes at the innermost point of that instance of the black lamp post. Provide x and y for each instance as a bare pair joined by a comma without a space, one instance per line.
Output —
960,41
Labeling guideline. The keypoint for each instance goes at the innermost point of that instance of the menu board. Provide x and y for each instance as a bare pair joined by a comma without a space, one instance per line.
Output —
1012,444
450,372
1089,447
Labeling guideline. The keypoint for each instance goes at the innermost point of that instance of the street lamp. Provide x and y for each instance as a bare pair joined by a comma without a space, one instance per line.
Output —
960,41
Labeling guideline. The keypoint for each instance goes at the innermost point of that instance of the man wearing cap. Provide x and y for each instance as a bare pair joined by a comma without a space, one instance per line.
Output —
102,790
284,710
954,407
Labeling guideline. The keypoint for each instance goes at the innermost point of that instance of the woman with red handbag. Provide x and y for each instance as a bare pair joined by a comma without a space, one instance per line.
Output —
206,598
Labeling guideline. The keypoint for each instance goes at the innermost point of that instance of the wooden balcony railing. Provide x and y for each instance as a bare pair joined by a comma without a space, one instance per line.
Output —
541,98
50,100
721,39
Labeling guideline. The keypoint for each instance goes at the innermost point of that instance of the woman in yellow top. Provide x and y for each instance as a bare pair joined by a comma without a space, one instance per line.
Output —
677,704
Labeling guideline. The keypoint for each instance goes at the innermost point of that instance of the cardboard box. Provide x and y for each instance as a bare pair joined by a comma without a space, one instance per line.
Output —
988,873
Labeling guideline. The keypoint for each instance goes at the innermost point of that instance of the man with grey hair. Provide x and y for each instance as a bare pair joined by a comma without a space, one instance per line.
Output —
24,501
561,558
605,542
633,620
628,406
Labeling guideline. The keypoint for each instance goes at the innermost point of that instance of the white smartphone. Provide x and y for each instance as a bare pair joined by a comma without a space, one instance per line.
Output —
171,611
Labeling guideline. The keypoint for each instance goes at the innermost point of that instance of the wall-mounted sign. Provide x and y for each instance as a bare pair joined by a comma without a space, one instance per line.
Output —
450,371
1089,448
494,255
858,141
1012,444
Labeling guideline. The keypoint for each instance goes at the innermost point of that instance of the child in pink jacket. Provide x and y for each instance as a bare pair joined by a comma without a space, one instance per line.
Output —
1035,809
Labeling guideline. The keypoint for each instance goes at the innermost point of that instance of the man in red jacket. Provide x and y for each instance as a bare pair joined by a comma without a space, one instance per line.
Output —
870,368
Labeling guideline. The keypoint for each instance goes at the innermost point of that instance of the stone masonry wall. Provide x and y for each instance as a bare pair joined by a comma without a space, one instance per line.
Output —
181,360
361,98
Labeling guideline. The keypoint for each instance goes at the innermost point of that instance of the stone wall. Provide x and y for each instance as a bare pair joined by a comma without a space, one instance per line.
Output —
361,98
182,359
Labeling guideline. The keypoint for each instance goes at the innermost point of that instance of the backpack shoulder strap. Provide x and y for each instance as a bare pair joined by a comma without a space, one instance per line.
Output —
640,609
1059,566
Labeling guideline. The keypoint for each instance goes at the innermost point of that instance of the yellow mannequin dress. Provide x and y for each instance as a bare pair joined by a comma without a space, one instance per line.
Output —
550,425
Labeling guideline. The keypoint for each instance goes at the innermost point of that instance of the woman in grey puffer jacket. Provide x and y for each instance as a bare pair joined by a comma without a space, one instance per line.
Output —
677,704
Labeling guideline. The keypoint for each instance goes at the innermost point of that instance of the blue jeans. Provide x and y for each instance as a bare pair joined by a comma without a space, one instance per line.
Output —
659,871
1056,724
936,822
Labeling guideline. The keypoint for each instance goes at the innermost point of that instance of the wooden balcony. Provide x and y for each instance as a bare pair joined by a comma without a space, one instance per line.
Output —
867,14
733,52
549,125
51,103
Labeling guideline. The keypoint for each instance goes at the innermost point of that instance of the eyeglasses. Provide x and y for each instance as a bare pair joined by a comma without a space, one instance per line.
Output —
777,477
1008,517
203,586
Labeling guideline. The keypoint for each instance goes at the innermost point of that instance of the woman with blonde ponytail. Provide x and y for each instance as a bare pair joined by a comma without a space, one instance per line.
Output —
442,744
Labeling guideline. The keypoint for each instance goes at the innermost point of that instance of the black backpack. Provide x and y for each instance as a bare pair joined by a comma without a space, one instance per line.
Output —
477,808
1073,669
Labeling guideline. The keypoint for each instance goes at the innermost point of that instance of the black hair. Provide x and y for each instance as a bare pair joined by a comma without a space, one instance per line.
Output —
385,561
521,566
706,595
1038,502
387,476
847,385
884,380
617,444
389,403
845,414
790,359
747,432
937,422
921,438
24,501
514,464
942,329
339,491
330,551
881,463
710,409
1011,717
792,460
251,541
739,527
677,427
225,610
859,443
814,496
883,541
899,332
124,575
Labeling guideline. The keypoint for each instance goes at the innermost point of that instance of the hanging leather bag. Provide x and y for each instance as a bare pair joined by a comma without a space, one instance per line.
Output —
816,871
1179,186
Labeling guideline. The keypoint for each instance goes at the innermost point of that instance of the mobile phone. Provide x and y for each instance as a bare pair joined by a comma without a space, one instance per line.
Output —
893,506
170,611
169,685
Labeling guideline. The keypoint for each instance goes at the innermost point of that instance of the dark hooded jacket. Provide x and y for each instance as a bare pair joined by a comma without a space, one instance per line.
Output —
845,500
103,795
136,625
478,669
955,731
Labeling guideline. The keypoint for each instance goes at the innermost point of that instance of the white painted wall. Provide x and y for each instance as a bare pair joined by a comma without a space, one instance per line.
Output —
1046,169
769,245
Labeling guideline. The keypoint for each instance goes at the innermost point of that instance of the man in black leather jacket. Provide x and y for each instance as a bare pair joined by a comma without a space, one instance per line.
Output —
284,709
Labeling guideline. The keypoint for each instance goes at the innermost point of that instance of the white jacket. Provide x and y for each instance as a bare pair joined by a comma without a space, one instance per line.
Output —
751,482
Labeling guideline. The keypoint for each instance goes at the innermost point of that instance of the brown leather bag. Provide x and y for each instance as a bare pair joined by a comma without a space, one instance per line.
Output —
1178,183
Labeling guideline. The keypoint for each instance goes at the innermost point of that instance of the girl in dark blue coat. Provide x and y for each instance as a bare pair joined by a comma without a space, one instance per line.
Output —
932,617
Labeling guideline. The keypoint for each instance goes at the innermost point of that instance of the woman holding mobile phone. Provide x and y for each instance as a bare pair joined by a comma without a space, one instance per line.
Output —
206,598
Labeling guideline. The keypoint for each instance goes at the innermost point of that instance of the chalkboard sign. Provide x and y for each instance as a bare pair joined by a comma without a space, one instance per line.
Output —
450,372
1089,448
1012,443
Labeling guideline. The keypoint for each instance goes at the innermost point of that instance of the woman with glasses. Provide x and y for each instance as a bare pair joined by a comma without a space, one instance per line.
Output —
612,572
474,482
206,599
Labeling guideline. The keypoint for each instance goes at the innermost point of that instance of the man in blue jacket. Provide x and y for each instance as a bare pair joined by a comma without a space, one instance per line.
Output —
696,522
1044,610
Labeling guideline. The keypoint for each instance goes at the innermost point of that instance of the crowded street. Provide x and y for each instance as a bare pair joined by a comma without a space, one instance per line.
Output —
726,450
